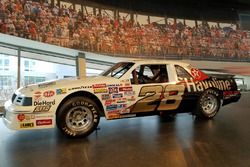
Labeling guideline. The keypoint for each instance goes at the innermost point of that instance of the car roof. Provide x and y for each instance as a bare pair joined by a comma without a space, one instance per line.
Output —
157,61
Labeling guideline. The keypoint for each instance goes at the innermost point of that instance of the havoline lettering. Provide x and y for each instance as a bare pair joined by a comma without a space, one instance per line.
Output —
44,103
203,85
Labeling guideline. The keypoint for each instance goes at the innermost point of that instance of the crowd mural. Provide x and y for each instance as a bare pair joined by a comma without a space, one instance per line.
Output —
101,33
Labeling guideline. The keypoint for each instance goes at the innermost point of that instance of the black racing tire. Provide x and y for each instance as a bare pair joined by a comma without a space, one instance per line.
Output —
208,104
78,117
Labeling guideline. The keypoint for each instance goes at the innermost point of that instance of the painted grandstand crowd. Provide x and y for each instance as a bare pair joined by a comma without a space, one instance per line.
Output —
67,27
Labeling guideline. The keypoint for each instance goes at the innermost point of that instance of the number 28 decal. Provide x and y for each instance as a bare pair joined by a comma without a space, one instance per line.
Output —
158,97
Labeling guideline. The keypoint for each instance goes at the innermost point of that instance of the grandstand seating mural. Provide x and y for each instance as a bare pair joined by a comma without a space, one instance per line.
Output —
101,33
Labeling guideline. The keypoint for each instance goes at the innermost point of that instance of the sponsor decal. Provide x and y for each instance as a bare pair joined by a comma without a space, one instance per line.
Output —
125,80
125,111
25,117
21,117
117,95
111,107
129,93
125,89
47,84
198,75
229,94
113,112
100,90
131,99
37,95
42,108
99,86
109,102
203,85
127,84
48,93
43,122
121,100
79,87
114,85
42,116
27,125
44,103
121,106
128,116
105,96
61,91
113,90
113,116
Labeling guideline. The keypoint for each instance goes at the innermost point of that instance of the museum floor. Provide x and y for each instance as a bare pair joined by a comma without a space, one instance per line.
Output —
138,142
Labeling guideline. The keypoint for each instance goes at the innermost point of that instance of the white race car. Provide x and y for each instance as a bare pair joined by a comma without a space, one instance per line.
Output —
128,89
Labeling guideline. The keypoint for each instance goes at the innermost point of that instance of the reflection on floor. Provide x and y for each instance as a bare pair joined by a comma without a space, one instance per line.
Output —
141,142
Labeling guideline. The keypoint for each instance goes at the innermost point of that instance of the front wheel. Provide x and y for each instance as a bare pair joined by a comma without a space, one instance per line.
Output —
208,104
78,117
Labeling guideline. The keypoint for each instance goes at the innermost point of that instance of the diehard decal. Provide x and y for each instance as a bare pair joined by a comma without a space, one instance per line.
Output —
44,103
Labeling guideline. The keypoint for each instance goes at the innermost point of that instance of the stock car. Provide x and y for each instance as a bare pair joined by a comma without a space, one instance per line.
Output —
127,89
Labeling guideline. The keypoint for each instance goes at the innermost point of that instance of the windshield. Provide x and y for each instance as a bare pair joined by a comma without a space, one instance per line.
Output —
118,70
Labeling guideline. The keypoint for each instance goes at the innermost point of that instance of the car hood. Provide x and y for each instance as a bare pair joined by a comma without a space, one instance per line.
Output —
66,83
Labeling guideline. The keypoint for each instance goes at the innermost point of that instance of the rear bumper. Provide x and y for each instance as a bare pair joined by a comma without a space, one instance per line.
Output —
231,97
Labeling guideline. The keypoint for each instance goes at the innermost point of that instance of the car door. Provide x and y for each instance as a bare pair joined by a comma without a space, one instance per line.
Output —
149,82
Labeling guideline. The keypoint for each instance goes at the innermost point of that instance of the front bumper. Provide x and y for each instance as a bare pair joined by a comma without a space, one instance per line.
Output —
22,118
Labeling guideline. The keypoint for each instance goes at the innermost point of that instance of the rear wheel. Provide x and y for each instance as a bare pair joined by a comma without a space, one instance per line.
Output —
208,104
78,117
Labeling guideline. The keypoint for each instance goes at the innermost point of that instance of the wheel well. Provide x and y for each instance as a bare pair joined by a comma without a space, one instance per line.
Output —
217,90
84,94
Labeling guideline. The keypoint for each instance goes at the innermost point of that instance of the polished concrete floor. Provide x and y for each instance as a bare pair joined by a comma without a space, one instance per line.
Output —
138,142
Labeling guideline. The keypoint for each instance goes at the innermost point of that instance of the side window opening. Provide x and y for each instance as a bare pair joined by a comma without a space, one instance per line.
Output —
145,74
182,73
